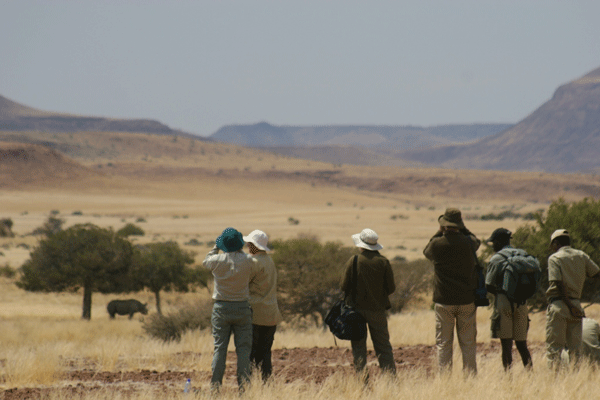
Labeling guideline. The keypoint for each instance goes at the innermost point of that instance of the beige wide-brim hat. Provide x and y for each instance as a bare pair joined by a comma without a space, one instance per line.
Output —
259,239
367,239
559,233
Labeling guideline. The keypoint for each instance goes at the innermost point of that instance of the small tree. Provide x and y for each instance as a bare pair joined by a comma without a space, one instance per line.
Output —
581,220
309,275
163,266
82,256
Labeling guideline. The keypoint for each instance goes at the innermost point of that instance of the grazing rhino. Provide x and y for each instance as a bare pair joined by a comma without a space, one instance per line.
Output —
124,307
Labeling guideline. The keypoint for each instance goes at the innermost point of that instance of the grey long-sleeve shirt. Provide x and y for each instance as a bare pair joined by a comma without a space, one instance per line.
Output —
232,273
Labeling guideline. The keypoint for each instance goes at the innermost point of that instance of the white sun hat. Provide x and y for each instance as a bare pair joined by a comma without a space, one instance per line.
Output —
559,233
367,239
259,239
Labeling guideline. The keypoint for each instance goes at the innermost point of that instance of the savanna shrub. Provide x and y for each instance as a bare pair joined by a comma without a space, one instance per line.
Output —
6,227
581,220
7,272
130,230
412,279
172,326
309,275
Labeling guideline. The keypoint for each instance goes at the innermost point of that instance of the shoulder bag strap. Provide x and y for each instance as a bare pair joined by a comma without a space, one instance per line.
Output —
354,278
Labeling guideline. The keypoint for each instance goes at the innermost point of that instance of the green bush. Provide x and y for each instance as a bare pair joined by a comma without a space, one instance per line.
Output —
130,230
412,279
309,276
51,227
6,227
172,326
581,220
7,272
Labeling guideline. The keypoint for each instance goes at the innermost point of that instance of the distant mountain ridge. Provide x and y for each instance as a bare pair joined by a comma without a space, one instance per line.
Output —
17,117
390,139
562,135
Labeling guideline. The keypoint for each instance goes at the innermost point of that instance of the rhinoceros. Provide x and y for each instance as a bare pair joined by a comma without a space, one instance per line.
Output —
124,307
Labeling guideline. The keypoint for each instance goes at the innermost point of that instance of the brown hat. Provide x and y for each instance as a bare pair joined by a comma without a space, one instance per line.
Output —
452,217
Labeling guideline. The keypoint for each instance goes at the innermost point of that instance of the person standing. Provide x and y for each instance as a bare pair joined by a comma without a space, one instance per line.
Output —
567,271
232,271
263,300
510,320
374,283
590,339
452,250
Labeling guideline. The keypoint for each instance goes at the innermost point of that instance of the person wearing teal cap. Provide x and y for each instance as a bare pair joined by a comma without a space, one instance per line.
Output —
232,270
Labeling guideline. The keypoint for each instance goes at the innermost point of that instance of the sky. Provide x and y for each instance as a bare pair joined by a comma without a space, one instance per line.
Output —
199,65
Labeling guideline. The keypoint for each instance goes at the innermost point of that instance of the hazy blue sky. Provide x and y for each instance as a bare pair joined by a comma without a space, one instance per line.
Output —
198,65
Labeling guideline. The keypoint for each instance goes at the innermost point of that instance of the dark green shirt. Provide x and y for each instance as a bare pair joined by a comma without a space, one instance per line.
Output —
374,284
455,278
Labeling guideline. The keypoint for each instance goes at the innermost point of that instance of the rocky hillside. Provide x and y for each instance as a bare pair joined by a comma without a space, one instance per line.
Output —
17,117
563,135
27,164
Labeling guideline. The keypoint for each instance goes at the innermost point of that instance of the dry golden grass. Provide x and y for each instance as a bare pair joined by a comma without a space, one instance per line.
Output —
36,341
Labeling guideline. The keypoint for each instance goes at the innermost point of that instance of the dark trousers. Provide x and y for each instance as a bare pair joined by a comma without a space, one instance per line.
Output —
378,328
260,355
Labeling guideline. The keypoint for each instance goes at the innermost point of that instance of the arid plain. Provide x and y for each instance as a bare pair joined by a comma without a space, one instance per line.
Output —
179,188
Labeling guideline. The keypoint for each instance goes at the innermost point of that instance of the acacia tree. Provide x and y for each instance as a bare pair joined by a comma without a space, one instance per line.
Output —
163,266
82,256
581,220
309,275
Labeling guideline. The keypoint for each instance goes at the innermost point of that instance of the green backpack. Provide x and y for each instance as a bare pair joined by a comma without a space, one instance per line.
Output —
521,275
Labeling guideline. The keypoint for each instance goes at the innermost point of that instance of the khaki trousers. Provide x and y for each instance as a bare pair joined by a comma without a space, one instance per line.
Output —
562,330
464,318
509,321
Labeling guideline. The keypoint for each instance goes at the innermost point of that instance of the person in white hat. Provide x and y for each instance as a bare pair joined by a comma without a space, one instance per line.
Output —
374,283
567,271
263,300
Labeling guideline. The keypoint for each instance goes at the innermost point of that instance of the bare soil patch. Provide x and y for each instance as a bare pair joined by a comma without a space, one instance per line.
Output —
313,365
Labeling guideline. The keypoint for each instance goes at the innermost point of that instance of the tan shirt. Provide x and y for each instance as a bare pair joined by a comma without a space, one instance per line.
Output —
263,292
569,266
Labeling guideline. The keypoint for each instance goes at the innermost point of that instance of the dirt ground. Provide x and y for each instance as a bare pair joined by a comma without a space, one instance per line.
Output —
313,365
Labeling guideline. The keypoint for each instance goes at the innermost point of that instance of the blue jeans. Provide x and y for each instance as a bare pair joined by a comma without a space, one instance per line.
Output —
231,317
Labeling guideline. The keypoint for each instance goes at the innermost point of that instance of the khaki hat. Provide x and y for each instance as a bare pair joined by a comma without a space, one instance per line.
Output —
367,239
559,233
452,217
258,239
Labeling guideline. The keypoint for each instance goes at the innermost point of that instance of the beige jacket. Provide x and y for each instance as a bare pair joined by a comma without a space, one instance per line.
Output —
263,292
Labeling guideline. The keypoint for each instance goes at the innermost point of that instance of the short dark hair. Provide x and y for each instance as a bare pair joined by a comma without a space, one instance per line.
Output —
563,241
502,240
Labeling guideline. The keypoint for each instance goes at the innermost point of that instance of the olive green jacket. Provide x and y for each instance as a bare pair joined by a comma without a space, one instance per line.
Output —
374,284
